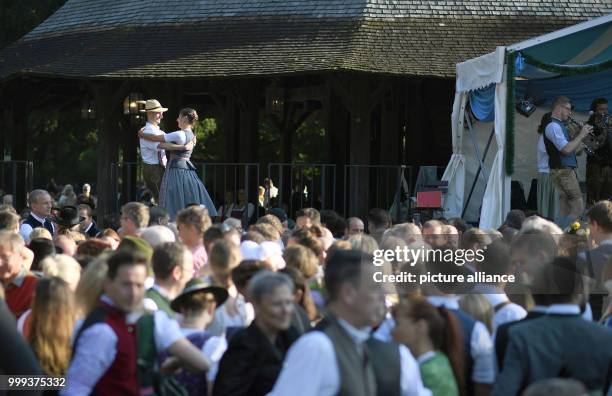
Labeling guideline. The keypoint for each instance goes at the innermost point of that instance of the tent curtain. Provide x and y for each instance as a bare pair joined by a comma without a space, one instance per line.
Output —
496,200
454,173
482,103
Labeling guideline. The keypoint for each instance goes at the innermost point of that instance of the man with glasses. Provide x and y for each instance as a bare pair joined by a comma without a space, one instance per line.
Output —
562,160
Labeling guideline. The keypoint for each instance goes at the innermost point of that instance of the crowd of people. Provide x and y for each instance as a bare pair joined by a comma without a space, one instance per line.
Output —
194,304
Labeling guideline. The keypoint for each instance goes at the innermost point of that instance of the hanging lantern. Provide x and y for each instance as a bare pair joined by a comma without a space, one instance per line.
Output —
275,99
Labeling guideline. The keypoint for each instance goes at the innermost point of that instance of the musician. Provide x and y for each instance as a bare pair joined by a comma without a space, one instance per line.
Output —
562,160
599,165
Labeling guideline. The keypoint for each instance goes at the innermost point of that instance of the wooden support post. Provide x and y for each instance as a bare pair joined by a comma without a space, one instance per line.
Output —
416,135
107,96
337,121
248,93
390,136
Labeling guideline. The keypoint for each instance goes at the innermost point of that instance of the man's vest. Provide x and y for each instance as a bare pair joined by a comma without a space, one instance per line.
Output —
163,304
557,160
375,372
121,376
32,222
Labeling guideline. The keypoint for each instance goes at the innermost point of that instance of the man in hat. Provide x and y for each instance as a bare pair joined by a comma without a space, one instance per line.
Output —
154,159
67,219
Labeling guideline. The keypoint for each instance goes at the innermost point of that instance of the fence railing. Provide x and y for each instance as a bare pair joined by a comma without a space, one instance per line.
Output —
351,193
218,178
17,178
304,185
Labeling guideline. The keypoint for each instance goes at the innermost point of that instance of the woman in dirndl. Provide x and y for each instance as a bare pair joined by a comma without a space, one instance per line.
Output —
181,185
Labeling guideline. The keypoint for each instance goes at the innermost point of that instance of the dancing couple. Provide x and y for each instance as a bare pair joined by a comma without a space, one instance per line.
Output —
178,185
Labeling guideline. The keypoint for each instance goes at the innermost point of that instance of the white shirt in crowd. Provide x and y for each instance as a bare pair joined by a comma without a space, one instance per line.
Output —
148,149
223,319
97,347
313,353
25,229
510,312
213,349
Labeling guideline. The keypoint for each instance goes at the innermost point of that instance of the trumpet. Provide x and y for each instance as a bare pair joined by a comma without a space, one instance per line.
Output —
590,142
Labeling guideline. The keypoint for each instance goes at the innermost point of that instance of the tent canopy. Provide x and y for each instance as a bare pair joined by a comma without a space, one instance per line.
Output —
575,62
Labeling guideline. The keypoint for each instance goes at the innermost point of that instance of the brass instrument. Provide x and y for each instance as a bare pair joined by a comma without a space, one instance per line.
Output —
590,142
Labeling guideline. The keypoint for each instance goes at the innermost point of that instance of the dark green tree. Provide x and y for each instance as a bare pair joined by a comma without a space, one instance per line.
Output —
18,17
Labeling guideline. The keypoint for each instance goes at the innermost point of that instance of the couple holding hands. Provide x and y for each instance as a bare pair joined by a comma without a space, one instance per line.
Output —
167,170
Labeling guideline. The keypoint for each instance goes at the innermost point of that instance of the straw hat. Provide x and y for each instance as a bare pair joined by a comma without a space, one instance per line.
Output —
153,105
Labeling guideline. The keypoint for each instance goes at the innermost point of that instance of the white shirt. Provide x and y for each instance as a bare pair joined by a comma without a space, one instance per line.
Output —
96,350
510,312
223,319
383,333
563,309
481,344
554,133
25,229
311,367
213,349
543,166
177,137
148,149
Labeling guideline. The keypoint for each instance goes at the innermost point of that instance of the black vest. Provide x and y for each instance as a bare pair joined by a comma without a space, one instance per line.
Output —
556,160
381,375
32,222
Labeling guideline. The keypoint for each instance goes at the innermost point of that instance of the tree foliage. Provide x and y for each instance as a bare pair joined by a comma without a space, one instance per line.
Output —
18,17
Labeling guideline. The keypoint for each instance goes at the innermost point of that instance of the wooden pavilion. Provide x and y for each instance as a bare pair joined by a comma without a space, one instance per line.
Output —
380,72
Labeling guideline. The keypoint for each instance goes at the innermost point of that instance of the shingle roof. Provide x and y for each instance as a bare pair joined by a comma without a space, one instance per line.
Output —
218,38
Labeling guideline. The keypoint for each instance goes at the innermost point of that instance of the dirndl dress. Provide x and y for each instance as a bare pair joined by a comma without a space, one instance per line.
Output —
181,185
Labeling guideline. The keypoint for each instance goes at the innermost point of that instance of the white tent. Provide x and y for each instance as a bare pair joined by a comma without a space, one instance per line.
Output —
590,48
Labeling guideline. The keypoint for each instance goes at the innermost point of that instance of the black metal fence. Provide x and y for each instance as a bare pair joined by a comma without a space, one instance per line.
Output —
299,185
304,185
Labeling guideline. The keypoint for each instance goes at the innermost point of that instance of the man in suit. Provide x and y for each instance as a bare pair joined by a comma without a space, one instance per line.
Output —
40,209
88,226
560,343
593,261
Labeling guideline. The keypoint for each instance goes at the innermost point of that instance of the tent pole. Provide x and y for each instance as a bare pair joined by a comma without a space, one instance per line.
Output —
467,203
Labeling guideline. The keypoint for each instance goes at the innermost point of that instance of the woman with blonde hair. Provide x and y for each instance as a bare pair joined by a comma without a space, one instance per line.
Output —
62,266
91,284
53,317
